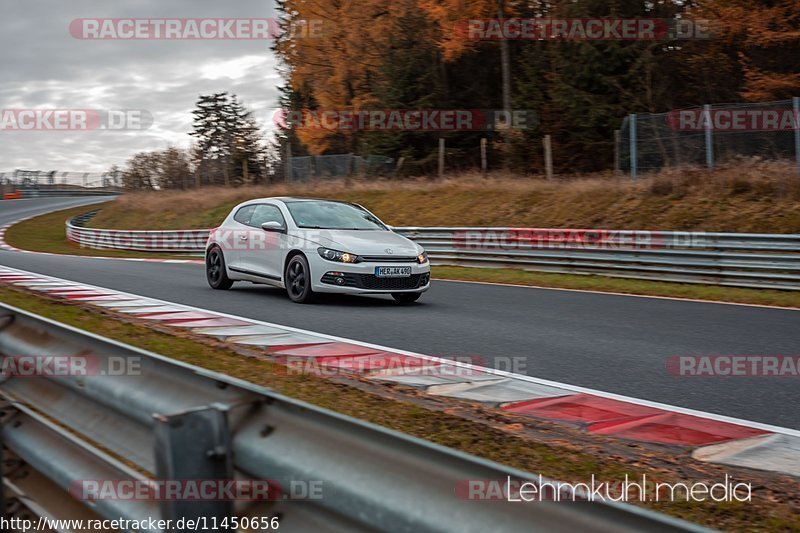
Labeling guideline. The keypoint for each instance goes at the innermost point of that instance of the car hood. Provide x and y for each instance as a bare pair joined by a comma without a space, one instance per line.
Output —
365,242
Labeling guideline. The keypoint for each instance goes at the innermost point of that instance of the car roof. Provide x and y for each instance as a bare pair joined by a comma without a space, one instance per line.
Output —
296,199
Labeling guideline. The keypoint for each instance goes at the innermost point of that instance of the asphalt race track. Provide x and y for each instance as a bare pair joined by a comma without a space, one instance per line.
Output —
612,343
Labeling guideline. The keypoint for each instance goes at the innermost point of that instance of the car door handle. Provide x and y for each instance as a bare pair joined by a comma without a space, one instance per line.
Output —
242,237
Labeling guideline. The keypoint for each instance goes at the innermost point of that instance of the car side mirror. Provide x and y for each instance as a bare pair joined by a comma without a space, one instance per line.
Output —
275,227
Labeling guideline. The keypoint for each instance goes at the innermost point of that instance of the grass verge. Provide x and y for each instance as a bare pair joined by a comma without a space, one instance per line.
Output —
46,233
621,286
743,197
565,454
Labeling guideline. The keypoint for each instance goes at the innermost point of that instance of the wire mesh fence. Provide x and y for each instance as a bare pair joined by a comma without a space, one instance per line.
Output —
38,179
710,135
306,168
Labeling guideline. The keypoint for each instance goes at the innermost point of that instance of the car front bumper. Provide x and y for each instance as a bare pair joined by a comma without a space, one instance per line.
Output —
360,278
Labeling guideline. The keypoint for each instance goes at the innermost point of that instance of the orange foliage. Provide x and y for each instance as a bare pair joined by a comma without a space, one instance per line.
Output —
447,14
341,66
767,37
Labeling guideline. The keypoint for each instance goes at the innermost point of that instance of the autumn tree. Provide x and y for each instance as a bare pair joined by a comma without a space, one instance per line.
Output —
141,171
418,54
174,170
759,41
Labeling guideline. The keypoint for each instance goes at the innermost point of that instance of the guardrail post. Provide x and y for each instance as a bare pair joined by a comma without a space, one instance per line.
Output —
195,445
796,108
709,137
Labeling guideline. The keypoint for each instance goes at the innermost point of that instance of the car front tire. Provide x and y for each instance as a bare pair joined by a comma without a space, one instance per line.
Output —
216,273
298,280
406,297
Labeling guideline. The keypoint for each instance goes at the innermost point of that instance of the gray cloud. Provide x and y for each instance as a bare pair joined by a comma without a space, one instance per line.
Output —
44,67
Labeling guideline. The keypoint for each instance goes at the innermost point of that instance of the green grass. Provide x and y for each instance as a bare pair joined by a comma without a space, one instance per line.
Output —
558,452
622,286
47,233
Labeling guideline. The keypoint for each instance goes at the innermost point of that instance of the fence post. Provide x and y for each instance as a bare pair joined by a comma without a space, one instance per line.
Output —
351,169
226,172
548,157
709,137
796,108
634,155
287,164
441,157
484,160
617,137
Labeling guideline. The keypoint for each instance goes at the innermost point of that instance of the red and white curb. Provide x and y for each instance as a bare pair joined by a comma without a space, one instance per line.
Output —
713,438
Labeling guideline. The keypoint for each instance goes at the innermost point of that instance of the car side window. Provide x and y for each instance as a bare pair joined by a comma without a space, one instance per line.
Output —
264,213
244,214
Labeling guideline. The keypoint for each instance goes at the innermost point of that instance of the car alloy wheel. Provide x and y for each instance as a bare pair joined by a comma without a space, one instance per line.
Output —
215,270
298,280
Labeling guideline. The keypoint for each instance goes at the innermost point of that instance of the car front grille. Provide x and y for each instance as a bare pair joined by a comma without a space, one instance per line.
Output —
374,283
369,281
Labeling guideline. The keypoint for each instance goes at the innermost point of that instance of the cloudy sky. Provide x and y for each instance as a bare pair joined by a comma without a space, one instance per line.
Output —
44,67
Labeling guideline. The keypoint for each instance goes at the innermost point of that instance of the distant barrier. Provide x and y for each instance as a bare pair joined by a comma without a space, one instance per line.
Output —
55,193
169,241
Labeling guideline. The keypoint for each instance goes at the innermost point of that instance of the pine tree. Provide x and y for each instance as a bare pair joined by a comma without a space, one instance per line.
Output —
228,138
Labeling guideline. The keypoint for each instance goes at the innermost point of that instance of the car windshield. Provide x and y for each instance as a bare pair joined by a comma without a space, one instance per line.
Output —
332,215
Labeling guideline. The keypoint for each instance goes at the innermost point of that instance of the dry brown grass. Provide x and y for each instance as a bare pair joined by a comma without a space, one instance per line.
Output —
749,196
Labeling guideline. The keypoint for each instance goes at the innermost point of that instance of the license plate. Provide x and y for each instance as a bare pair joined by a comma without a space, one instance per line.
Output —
393,272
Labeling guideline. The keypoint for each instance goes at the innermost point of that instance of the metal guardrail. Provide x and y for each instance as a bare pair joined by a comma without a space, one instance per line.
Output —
732,259
766,261
175,421
50,193
168,241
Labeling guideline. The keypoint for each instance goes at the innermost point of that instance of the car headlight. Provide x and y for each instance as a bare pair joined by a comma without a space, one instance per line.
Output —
422,258
337,256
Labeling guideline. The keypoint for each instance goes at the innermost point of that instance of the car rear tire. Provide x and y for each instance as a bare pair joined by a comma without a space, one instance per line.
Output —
216,274
406,297
298,280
